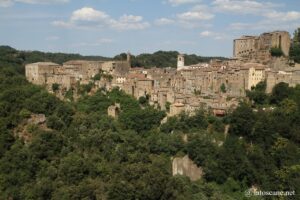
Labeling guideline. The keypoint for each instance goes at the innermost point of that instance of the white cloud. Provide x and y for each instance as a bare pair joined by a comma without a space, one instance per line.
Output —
180,2
87,17
270,18
214,35
267,10
129,22
265,25
282,16
195,15
164,21
7,3
130,19
89,14
206,33
243,6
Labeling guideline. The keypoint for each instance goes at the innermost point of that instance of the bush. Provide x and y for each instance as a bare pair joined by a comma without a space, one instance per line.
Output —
143,100
276,52
55,122
55,87
97,77
223,88
24,113
85,88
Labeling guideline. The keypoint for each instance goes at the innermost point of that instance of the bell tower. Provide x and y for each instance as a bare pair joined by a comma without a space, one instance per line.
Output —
128,59
180,62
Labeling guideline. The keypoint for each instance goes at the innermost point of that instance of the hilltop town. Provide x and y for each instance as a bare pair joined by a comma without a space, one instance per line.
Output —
216,86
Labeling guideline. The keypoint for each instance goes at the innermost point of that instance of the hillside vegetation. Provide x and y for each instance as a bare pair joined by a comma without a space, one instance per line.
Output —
163,59
85,154
295,47
158,59
13,56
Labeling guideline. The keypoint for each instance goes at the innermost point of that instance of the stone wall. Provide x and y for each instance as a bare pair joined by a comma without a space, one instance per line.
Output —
186,167
244,46
258,47
36,72
274,77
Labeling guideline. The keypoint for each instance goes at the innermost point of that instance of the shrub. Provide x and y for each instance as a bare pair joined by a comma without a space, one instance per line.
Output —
276,52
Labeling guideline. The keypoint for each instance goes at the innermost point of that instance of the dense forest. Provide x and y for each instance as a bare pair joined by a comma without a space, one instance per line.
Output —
163,59
85,154
157,59
11,56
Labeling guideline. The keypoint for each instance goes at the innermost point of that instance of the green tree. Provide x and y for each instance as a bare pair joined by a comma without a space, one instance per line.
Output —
201,150
284,152
168,105
97,77
258,93
55,87
279,92
143,100
73,168
141,120
55,122
295,47
223,88
242,120
276,52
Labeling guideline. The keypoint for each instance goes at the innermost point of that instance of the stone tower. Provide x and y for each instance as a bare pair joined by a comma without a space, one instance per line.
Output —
129,58
180,62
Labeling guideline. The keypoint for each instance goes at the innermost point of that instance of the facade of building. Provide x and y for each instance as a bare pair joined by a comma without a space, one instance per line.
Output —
75,72
258,47
215,86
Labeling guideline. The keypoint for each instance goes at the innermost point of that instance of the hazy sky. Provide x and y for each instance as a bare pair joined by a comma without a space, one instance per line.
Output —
109,27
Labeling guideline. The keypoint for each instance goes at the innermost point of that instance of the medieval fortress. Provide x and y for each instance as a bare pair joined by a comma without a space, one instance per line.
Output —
216,86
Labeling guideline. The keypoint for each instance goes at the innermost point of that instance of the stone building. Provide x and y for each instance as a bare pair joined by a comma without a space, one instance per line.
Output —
290,76
37,73
254,73
215,86
193,88
176,109
258,47
118,68
114,110
75,72
245,46
180,62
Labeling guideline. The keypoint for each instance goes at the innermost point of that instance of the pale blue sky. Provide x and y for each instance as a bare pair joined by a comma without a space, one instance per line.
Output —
109,27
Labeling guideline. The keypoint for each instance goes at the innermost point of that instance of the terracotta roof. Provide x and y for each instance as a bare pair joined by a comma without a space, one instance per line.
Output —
136,75
178,104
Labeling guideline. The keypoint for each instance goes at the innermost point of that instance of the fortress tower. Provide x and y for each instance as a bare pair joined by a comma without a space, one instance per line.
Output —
129,59
180,62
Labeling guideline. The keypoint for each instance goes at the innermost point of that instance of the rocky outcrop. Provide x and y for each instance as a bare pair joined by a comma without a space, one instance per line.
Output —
186,167
37,119
25,128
